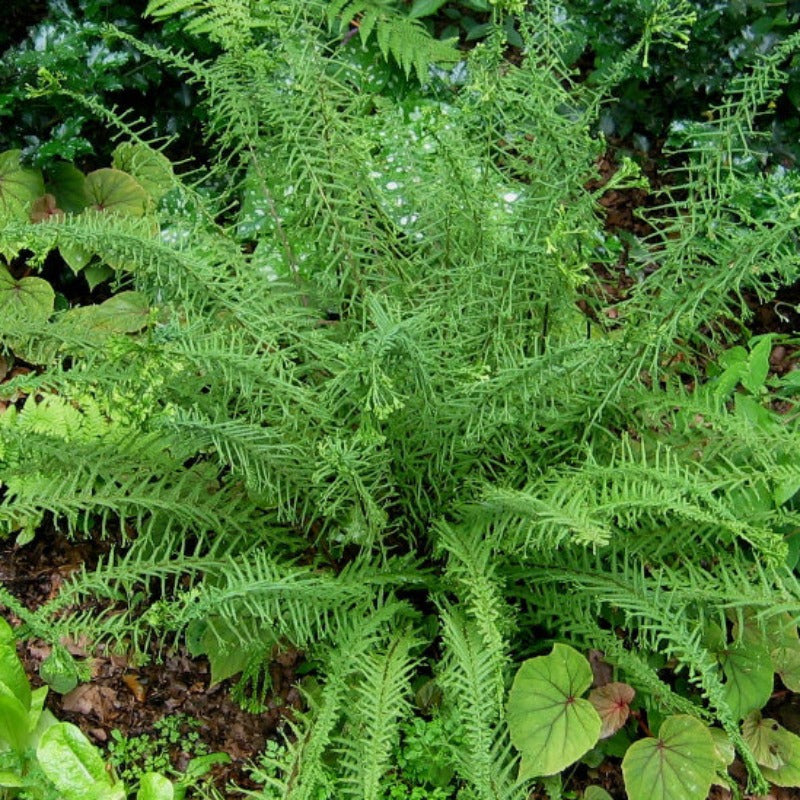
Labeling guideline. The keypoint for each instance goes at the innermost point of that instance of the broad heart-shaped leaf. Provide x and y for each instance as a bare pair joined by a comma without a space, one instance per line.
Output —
151,169
680,764
13,676
19,186
749,677
68,185
112,190
613,703
776,749
155,787
74,765
550,724
28,300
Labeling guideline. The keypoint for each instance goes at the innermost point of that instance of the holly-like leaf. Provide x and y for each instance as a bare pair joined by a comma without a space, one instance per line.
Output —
550,723
151,169
680,764
613,703
749,677
68,185
111,190
19,186
28,300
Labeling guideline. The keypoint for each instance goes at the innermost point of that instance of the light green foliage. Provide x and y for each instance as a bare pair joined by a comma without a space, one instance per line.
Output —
142,761
378,425
680,764
551,724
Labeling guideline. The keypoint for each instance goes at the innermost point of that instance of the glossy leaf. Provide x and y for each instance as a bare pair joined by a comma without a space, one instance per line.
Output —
74,764
680,764
550,723
68,184
155,787
111,190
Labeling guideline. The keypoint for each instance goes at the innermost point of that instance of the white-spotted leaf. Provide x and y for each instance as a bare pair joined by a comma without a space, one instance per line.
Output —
551,724
680,764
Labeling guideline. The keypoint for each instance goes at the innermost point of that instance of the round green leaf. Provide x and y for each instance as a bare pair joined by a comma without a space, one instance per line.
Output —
550,724
155,787
680,764
19,186
111,190
152,169
72,763
68,184
29,300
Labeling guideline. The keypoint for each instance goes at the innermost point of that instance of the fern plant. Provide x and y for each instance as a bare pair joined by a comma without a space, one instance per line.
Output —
364,393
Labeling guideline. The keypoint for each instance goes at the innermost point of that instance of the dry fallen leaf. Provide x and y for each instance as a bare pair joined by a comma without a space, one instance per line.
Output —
137,688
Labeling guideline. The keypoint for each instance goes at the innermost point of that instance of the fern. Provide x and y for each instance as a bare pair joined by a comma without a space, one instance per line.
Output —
364,394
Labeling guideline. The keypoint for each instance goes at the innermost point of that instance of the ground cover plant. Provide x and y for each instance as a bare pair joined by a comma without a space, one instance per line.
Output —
350,386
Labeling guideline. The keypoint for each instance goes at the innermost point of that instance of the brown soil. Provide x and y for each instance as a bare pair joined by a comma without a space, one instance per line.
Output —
129,697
